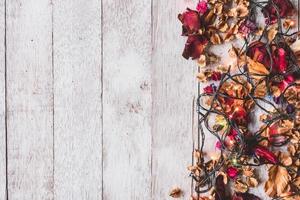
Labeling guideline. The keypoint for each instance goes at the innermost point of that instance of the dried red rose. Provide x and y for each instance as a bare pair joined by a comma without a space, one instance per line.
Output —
191,22
285,8
232,172
265,154
194,46
258,52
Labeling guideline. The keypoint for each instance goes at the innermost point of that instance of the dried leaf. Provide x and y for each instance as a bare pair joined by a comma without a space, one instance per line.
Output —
272,32
176,192
278,182
252,182
202,61
256,69
239,186
289,23
215,38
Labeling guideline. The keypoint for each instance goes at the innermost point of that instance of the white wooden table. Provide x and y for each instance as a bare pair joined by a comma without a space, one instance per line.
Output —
95,100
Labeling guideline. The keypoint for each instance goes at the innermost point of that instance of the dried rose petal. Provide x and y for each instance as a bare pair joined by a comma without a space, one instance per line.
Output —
191,22
279,58
265,154
202,7
232,172
285,8
194,46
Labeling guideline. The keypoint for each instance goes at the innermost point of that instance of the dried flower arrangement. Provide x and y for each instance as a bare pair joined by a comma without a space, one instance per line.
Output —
264,78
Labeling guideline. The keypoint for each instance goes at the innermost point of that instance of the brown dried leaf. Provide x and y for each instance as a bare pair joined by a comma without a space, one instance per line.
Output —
251,182
202,61
233,52
272,32
285,159
218,8
256,69
239,186
278,182
215,38
176,192
289,23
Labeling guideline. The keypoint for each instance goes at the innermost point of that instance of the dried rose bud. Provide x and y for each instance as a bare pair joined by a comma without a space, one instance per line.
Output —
216,76
232,172
191,22
265,154
209,89
202,7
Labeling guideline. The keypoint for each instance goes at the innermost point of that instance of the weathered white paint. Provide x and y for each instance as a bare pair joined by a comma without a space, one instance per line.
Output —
174,86
127,99
66,106
29,100
2,104
77,99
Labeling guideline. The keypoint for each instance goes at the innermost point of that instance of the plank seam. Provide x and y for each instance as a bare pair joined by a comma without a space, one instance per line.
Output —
5,99
101,77
53,99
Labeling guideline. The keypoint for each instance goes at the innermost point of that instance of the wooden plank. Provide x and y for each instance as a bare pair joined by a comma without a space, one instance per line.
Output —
77,102
174,86
2,104
127,99
29,100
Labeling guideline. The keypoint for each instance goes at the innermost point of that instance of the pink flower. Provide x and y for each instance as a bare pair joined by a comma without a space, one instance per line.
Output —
218,145
232,172
202,7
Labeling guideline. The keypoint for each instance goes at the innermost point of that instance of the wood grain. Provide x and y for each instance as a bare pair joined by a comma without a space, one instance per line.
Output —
2,104
174,87
29,100
127,99
77,99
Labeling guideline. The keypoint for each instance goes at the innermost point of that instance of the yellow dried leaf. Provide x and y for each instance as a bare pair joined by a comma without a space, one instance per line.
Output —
252,182
256,69
272,32
202,61
278,181
239,186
